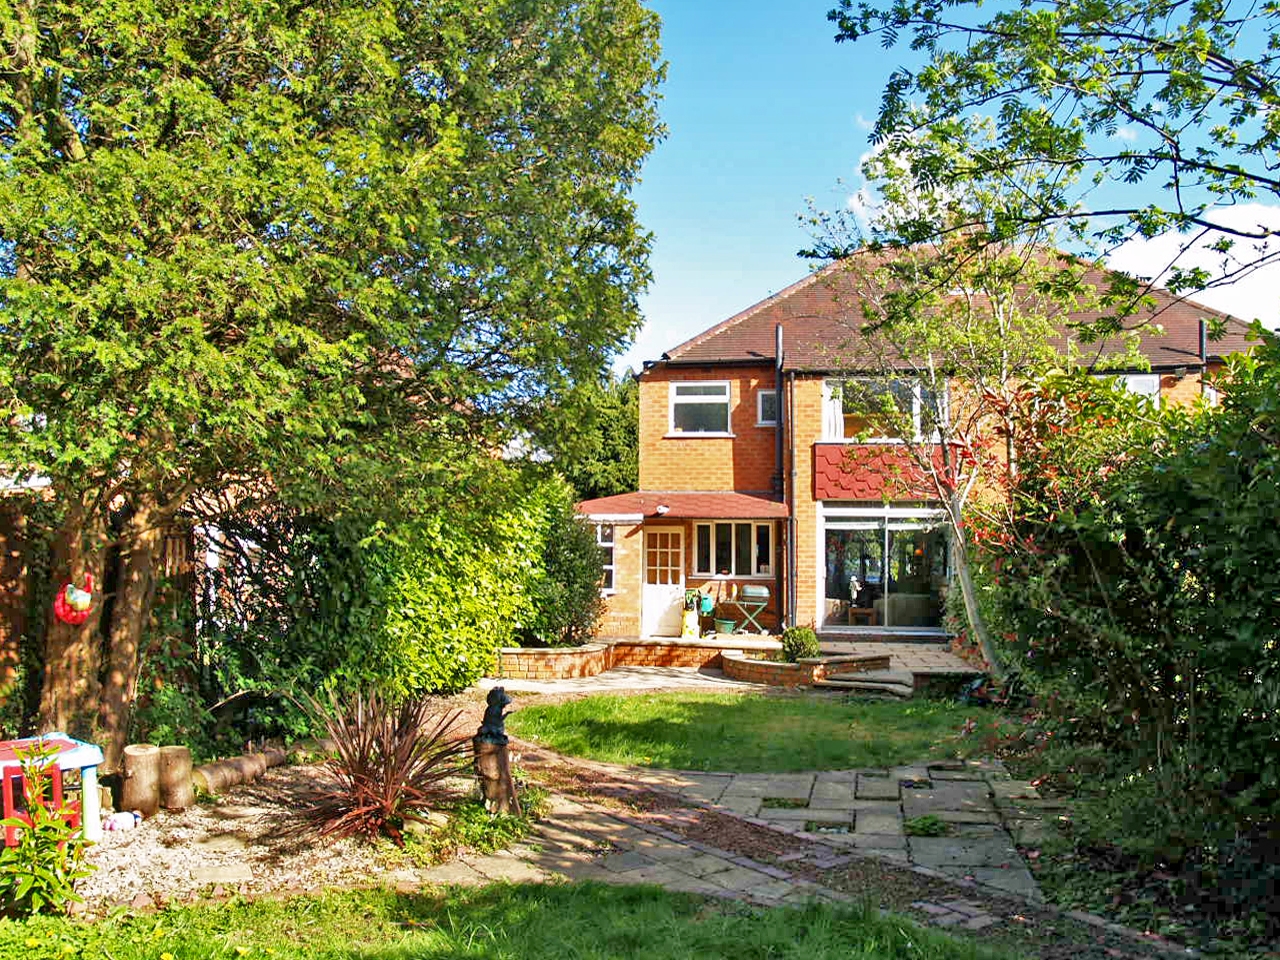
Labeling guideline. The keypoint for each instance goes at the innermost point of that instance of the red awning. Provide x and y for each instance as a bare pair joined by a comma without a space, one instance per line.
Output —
685,505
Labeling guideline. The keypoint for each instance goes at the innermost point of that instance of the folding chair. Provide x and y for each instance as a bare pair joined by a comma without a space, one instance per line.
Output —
11,777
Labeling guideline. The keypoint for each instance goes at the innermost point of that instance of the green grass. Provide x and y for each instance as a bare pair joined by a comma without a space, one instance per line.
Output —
746,733
499,922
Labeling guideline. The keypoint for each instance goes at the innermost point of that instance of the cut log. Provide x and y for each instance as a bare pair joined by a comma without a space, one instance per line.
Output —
140,788
176,792
493,770
217,776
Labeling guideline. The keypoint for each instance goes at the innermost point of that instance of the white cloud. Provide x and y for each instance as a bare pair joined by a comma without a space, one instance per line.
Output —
1254,294
1128,134
863,123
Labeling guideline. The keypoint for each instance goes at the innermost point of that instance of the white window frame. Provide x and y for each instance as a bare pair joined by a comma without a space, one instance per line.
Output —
710,525
1130,382
611,545
673,398
760,418
833,410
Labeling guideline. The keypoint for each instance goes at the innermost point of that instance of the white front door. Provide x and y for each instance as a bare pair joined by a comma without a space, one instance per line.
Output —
662,600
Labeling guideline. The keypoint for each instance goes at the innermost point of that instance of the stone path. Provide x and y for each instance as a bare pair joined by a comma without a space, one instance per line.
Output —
983,811
836,817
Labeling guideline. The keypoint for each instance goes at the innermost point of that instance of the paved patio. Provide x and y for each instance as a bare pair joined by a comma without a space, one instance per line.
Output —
923,658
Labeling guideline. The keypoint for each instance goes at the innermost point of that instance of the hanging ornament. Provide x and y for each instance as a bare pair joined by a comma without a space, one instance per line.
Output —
71,604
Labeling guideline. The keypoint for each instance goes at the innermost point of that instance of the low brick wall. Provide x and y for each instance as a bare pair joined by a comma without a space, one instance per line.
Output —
556,663
739,666
553,663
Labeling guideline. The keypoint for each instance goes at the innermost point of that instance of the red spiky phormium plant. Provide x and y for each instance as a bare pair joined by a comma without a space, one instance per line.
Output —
390,765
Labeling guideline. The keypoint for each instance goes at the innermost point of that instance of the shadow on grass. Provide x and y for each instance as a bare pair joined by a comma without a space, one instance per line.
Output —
746,734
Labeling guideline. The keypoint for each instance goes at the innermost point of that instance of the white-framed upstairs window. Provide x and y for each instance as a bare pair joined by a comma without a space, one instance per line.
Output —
733,548
766,408
604,540
1143,384
700,408
853,409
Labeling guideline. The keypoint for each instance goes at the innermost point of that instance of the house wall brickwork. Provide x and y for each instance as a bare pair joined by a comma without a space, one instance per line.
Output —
622,607
743,462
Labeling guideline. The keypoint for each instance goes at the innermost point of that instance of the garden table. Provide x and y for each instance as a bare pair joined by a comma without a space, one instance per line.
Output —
71,754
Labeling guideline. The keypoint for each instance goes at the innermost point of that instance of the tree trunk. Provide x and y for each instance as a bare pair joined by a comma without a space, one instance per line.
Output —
493,770
176,792
69,694
13,593
969,593
140,547
141,789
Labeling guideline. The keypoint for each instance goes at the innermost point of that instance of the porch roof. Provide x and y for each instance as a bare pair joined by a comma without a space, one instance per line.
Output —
686,505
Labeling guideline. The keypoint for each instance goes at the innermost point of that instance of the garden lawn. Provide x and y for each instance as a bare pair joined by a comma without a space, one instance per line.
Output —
747,733
525,922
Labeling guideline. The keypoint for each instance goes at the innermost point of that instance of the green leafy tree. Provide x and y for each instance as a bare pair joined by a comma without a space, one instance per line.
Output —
1182,96
945,337
602,457
345,248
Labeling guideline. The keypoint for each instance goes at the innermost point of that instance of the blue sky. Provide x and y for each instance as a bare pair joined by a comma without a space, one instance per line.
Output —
764,110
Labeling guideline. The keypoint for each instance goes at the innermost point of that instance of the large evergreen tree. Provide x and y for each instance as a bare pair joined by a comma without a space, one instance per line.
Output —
343,247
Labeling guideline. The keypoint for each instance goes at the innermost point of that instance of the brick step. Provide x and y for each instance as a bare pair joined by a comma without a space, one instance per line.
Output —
902,678
900,690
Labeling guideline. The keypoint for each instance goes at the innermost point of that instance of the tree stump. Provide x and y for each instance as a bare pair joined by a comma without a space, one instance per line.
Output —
140,788
176,791
493,770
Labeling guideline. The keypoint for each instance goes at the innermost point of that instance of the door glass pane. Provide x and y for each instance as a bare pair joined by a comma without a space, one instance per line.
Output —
918,559
854,569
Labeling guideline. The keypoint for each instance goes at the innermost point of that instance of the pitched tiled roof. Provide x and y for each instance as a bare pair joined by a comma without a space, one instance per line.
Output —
684,505
820,316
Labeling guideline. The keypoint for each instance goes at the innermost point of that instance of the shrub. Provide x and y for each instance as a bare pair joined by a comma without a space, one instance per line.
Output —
799,643
39,873
564,585
390,766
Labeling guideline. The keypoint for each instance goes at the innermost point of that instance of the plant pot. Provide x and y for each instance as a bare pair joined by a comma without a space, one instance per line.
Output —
725,626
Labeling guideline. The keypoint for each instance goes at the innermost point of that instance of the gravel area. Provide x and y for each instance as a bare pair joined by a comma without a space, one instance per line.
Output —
252,839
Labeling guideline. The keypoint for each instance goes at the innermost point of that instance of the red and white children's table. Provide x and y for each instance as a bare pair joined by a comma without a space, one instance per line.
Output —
71,754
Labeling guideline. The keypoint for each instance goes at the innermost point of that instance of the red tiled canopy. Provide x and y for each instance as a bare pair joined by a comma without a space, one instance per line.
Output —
686,505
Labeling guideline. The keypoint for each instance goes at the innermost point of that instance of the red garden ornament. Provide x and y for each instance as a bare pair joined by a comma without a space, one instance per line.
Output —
72,604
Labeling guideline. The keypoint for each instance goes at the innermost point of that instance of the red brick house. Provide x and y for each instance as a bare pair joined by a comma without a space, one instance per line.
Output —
745,476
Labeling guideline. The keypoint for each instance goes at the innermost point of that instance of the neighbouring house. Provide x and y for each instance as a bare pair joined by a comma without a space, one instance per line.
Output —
747,478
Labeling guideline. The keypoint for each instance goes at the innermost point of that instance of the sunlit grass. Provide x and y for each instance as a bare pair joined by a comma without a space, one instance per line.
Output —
746,733
503,922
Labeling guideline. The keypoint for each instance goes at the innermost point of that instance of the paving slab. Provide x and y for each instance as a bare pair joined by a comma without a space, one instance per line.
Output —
225,873
832,790
968,816
1014,790
804,814
881,823
1016,879
738,878
940,852
705,865
626,861
877,788
745,806
786,787
455,872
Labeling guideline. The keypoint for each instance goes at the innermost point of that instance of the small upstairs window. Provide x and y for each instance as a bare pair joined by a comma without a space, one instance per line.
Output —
766,408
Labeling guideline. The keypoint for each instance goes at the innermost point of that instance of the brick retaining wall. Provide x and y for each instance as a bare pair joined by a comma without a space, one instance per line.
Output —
739,666
555,663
